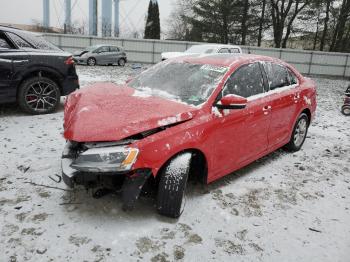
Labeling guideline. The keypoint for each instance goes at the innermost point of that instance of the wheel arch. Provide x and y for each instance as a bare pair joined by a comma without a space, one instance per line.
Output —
198,168
42,72
306,111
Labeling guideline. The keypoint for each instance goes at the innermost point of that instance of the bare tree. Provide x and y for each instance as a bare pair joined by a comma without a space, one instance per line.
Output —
284,12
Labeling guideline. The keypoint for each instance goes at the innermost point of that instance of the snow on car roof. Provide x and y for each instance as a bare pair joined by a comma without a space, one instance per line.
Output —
224,59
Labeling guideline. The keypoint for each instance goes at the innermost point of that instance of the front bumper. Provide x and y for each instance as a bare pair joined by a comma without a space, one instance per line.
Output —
130,183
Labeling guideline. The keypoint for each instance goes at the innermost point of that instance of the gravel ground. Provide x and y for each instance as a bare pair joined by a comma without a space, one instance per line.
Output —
284,207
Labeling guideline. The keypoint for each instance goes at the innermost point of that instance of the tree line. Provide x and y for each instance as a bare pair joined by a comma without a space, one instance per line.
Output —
312,24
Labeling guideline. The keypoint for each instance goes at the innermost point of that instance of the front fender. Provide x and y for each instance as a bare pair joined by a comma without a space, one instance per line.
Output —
156,150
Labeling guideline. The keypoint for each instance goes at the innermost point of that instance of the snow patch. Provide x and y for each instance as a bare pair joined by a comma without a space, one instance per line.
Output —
177,168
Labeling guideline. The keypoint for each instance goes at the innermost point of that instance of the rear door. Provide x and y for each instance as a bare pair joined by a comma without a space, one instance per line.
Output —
116,54
12,58
103,55
285,96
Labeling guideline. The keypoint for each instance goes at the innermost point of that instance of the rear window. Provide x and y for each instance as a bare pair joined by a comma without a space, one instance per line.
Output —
19,41
32,41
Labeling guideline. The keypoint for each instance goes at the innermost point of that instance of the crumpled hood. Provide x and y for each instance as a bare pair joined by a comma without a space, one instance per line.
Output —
107,112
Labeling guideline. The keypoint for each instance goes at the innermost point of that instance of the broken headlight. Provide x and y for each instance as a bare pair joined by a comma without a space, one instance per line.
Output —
106,159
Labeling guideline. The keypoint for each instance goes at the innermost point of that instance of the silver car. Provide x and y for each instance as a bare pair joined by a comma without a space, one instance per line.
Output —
101,55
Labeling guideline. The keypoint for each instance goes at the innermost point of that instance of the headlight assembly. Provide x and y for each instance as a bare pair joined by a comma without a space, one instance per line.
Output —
106,159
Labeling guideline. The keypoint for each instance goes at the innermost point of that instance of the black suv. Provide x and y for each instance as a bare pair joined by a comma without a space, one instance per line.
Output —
33,72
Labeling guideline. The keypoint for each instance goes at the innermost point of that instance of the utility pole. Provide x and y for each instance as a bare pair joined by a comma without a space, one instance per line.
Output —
46,14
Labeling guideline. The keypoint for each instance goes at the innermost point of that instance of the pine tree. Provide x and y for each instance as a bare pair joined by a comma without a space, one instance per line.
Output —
152,29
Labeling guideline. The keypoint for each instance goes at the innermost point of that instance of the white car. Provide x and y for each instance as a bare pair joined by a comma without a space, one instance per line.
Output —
204,49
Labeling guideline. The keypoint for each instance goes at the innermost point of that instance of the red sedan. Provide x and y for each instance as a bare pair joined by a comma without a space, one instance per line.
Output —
199,117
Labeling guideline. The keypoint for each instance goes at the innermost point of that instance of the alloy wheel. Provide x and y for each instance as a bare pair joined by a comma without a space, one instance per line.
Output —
41,96
300,132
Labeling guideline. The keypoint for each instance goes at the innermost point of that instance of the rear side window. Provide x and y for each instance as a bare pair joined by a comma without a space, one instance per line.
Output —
224,51
114,49
246,81
234,50
278,75
103,49
19,41
292,78
3,43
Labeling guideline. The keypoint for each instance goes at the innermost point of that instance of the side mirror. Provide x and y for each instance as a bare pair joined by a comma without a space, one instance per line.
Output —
232,102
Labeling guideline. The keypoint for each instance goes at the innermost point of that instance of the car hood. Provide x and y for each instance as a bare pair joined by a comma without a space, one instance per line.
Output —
107,112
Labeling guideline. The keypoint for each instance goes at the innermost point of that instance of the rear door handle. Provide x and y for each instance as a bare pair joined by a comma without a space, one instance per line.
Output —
267,109
20,62
296,97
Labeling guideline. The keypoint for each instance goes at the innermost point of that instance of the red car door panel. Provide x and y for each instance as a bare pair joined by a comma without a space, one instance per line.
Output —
240,135
285,97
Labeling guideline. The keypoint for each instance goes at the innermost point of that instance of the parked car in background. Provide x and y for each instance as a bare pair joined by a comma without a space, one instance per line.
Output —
204,49
33,72
101,55
198,116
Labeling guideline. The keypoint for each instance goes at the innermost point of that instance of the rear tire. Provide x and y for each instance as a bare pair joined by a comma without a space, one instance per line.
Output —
91,61
121,62
345,110
299,133
172,185
38,95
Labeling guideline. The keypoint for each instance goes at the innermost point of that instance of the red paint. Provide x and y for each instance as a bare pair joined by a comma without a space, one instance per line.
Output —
105,112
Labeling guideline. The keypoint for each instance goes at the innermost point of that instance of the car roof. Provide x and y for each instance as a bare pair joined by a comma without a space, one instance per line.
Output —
225,59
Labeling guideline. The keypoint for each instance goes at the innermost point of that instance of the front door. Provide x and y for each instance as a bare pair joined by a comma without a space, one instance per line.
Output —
241,135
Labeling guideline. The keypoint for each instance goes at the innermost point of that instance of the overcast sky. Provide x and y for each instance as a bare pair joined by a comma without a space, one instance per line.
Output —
132,12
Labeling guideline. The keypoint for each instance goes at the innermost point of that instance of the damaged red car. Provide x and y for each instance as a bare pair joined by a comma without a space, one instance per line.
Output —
199,117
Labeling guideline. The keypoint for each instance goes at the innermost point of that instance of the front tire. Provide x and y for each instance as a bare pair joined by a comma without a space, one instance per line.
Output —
345,110
172,185
299,133
91,61
38,95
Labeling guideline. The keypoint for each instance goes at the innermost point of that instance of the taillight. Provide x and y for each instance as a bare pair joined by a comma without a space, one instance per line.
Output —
69,61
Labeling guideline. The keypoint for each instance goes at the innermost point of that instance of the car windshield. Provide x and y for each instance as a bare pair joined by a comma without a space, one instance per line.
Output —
184,82
200,49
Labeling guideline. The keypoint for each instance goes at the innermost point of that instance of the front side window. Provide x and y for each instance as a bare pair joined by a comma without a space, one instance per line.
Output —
103,49
185,82
246,81
278,75
19,41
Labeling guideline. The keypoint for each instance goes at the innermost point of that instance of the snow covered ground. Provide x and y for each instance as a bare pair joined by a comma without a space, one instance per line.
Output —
284,207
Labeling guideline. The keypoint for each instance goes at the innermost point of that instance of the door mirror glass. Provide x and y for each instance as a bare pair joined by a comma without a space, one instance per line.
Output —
232,102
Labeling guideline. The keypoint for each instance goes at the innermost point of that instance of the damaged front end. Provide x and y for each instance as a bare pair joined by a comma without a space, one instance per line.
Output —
106,165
